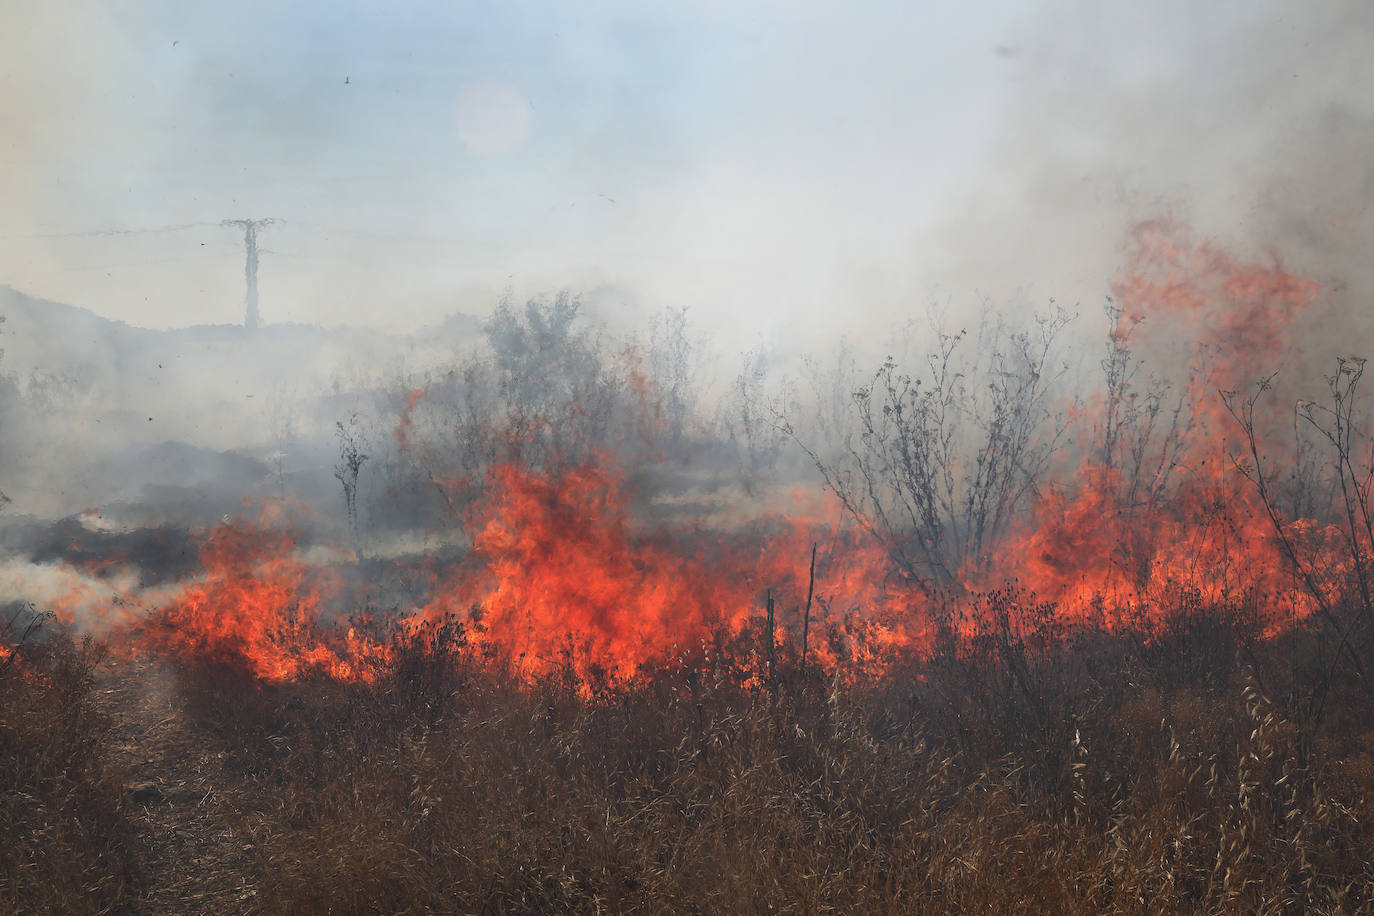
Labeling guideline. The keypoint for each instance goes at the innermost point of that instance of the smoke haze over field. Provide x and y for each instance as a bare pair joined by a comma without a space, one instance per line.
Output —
580,333
1250,123
779,168
651,450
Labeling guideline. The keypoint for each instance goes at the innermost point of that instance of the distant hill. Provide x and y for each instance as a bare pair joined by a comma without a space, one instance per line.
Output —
94,409
55,339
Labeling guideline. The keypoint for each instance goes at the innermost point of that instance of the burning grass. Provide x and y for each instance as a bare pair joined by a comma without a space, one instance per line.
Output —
1133,772
1017,651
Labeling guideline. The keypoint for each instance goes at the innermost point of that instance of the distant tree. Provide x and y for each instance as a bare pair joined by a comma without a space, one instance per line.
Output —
349,466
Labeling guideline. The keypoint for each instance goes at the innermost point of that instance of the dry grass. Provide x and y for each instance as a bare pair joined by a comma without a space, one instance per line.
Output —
912,794
1106,778
63,818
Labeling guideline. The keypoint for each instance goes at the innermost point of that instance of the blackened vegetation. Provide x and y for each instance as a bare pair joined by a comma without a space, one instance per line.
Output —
160,554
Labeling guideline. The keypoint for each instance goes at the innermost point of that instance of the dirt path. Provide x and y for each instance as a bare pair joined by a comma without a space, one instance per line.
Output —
194,855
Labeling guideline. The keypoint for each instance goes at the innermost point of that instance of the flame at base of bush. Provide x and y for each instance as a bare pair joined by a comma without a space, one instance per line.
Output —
560,575
1137,520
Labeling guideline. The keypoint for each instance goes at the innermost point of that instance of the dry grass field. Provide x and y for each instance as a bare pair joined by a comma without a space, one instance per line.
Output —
1119,775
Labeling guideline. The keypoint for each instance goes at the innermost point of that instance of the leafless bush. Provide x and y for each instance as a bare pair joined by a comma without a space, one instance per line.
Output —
1146,423
546,391
346,471
748,420
944,457
673,368
1342,594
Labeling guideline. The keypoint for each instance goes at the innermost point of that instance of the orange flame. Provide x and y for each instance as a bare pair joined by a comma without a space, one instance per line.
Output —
561,570
257,607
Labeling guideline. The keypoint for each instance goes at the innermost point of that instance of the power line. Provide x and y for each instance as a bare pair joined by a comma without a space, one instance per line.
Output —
94,233
123,265
323,229
373,236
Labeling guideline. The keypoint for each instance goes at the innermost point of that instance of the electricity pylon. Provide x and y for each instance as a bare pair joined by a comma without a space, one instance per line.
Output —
250,267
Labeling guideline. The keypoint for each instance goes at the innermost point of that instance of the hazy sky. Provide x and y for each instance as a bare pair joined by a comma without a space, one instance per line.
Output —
767,164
